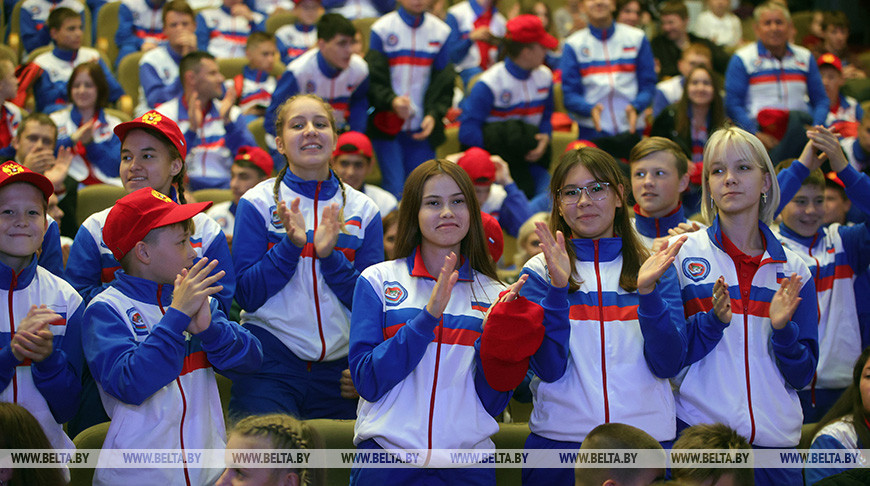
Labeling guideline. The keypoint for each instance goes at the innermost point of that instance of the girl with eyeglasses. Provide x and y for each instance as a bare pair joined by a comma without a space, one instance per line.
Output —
608,355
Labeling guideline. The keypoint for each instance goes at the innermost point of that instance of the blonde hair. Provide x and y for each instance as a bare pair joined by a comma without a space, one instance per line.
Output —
749,148
526,231
283,432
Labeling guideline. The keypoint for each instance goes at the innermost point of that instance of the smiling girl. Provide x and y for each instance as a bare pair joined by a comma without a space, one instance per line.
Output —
299,243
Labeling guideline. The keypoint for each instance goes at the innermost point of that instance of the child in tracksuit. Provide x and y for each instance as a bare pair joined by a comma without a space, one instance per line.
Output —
622,333
300,242
836,255
296,38
40,344
764,295
154,338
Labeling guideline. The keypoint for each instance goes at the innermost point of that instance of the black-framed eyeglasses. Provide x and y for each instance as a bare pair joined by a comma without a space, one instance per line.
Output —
597,191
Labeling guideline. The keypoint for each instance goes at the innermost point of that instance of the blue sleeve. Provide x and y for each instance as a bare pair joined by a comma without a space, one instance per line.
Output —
259,26
282,51
125,37
459,48
493,401
285,88
796,346
383,6
58,377
228,345
340,275
84,265
52,96
475,108
260,271
514,210
105,155
550,360
51,257
703,332
358,107
238,135
8,363
790,181
129,370
572,84
116,91
646,77
33,33
812,475
220,251
377,365
660,102
203,34
857,188
546,125
856,239
820,105
859,111
442,59
330,4
155,91
662,324
736,90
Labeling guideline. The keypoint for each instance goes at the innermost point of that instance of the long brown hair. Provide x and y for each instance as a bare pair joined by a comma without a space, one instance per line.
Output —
409,237
605,169
22,431
850,405
717,107
99,79
284,432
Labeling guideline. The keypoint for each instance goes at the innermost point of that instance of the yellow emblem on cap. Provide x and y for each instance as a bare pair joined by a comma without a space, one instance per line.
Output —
160,196
12,168
151,118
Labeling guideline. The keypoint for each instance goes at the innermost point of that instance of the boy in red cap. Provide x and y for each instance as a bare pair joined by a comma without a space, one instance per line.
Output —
152,338
352,162
515,96
251,166
845,112
40,350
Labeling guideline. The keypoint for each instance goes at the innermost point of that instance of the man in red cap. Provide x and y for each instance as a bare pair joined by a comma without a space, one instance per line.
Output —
518,90
352,162
251,166
153,336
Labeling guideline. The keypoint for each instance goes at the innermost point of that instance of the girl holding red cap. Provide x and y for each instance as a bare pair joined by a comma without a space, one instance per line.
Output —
608,355
414,347
300,242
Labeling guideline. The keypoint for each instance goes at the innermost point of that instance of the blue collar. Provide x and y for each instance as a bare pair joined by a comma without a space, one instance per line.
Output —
328,188
478,9
64,54
255,74
76,116
155,4
608,248
417,268
233,207
226,10
763,52
411,20
774,253
657,227
141,289
515,70
304,28
22,279
602,34
327,69
807,241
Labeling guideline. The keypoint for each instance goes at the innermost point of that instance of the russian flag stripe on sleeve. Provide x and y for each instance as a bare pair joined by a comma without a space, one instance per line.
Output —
195,361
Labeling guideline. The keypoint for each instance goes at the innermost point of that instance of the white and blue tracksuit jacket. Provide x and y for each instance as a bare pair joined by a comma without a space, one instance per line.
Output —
614,363
34,15
91,265
224,215
461,18
509,205
398,350
839,434
756,80
96,162
49,389
139,21
222,34
303,300
359,9
749,381
253,88
613,67
57,66
156,381
158,77
507,92
294,39
651,228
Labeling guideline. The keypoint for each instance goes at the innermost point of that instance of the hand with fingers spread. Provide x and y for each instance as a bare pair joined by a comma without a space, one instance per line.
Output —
722,300
327,231
558,262
346,385
293,221
193,287
656,265
443,287
785,301
84,134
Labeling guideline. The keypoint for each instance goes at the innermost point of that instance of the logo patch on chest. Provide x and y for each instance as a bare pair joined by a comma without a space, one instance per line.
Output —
138,322
696,269
394,293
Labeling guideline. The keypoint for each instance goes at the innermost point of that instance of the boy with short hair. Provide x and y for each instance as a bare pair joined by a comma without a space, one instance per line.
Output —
835,40
153,338
40,342
836,255
251,166
65,27
837,203
612,436
158,68
253,88
352,162
296,38
222,31
718,437
34,15
845,111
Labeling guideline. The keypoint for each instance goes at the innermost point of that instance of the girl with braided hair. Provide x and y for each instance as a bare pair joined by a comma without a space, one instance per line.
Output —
275,431
300,242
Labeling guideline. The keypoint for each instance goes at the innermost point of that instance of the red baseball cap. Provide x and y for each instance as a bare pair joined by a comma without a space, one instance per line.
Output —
11,172
256,156
513,333
830,176
154,120
528,28
477,164
579,144
831,60
494,236
353,143
137,213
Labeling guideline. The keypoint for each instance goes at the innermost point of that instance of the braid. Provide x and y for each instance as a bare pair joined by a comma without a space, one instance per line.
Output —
178,181
285,433
276,191
343,201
